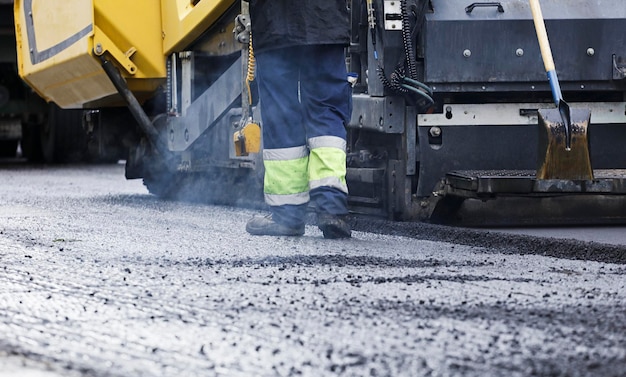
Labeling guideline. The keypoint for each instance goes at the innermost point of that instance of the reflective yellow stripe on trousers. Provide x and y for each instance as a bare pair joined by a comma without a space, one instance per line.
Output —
327,162
286,177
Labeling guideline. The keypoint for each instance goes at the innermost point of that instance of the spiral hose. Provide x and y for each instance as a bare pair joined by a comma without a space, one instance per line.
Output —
404,79
251,70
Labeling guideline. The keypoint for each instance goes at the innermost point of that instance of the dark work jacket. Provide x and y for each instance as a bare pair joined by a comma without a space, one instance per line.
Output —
286,23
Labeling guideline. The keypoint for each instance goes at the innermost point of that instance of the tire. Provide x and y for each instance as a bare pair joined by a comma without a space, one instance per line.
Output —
221,186
164,185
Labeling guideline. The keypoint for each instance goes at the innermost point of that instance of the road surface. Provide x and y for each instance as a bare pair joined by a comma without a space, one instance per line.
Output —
99,278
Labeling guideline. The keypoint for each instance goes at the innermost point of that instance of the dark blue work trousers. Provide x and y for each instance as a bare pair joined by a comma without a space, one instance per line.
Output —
304,93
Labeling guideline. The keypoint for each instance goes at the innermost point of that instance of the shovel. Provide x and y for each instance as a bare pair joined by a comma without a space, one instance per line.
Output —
563,140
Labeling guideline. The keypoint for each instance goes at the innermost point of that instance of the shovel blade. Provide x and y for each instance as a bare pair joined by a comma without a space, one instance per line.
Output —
555,160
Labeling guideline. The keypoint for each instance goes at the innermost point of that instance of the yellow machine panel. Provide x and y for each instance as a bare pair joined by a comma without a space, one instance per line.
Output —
186,20
59,42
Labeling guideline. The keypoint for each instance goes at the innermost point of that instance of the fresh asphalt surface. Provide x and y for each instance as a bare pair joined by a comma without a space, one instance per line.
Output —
99,278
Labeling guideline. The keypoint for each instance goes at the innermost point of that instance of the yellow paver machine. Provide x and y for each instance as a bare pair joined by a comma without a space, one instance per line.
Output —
453,117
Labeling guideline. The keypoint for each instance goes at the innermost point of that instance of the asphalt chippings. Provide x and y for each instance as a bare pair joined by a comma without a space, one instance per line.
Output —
500,242
97,278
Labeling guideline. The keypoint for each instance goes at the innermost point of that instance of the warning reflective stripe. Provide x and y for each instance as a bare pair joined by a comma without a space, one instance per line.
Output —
282,154
293,199
327,142
329,182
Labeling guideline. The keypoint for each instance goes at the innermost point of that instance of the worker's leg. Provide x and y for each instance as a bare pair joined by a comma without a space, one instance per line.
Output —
327,101
285,153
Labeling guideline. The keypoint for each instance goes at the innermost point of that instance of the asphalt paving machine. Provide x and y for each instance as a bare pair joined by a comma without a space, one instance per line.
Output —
453,115
43,132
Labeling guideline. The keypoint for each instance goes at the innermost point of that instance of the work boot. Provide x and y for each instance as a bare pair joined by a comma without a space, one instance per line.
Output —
266,226
334,226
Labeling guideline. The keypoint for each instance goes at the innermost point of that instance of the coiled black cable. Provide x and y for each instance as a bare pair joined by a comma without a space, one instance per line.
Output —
400,81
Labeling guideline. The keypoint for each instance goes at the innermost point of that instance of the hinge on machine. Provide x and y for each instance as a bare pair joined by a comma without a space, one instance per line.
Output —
619,67
102,43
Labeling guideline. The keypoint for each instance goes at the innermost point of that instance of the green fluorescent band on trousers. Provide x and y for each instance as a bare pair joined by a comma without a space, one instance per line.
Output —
327,162
286,177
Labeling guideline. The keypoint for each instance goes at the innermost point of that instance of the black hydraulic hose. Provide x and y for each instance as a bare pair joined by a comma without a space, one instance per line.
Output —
420,93
418,84
133,105
408,41
401,81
